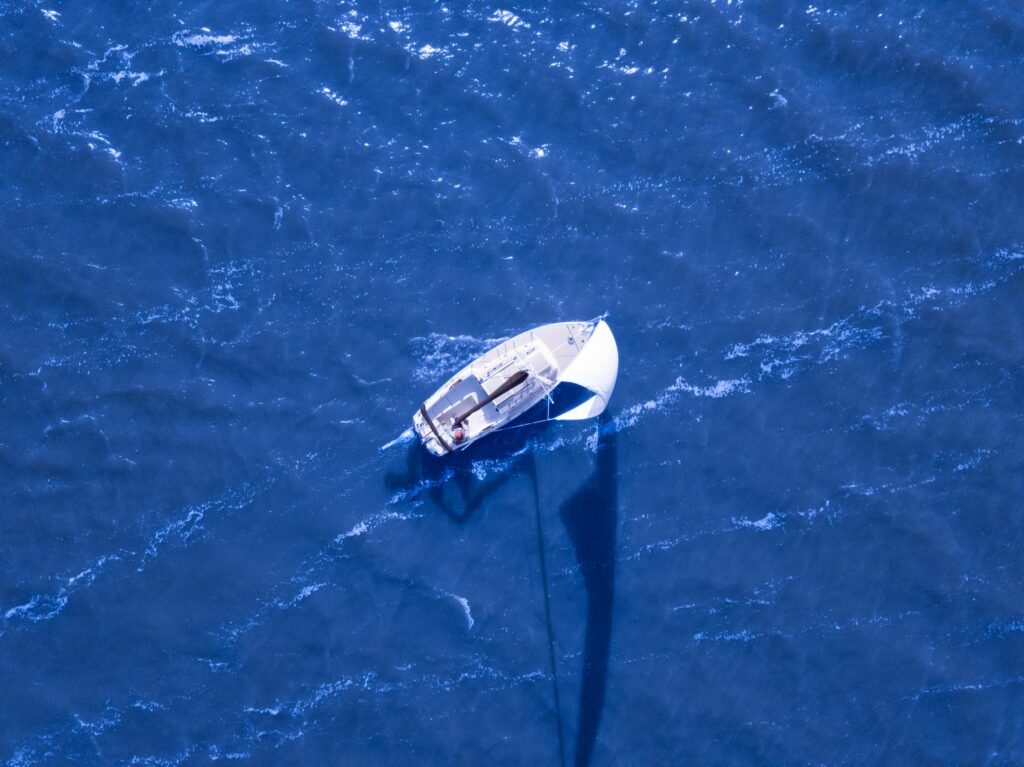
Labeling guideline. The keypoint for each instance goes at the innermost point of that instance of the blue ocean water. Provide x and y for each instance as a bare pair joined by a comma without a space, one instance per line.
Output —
242,241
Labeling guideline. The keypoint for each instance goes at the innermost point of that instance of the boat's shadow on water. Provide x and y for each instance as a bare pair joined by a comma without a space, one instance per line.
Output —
452,482
590,516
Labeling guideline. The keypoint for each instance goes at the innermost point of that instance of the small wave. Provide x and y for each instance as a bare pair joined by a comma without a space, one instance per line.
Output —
307,576
768,522
782,355
974,460
969,686
726,636
509,19
721,388
352,27
304,593
135,78
762,595
438,354
419,488
463,603
43,607
225,46
428,51
771,521
333,96
373,682
372,523
189,525
201,40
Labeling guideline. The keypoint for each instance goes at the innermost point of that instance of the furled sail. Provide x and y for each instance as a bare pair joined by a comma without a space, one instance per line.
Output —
595,368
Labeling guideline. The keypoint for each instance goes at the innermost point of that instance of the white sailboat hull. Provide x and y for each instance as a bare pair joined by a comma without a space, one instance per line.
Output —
499,386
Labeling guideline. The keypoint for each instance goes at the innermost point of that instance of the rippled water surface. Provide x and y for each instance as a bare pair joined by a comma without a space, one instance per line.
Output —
242,241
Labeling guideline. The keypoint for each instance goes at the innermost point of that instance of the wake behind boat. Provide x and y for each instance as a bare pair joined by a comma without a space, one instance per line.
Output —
498,387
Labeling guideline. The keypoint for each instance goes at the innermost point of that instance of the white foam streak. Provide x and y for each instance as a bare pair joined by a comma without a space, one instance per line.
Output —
464,604
721,388
184,528
42,607
420,488
770,521
303,594
371,682
185,39
970,687
439,354
372,523
509,19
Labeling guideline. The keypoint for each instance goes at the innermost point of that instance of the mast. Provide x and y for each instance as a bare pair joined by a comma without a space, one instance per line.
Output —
512,382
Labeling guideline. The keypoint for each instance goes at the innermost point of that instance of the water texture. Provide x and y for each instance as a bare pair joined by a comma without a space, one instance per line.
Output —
243,241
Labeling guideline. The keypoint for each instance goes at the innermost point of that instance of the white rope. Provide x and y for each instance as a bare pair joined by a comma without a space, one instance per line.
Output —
522,425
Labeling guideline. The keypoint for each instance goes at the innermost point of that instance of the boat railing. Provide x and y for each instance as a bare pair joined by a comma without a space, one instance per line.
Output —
511,402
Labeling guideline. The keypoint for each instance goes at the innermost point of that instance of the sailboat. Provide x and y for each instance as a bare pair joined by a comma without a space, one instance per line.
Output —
498,387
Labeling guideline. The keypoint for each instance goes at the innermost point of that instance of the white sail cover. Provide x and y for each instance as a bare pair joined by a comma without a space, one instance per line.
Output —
595,368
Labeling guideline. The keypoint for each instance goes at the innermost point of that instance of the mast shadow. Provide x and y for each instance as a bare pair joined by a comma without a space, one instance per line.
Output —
591,517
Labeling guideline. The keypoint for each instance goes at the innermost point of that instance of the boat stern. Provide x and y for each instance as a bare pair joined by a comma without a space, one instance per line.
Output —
429,434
